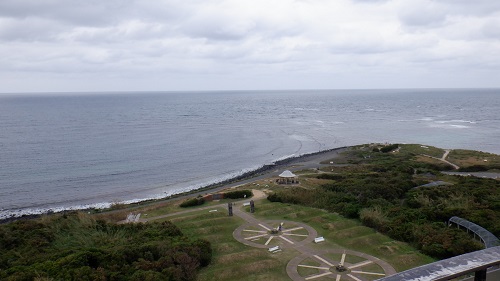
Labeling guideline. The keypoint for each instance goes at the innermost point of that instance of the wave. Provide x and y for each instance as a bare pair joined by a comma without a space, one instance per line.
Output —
455,121
448,126
442,123
10,214
428,119
459,126
306,109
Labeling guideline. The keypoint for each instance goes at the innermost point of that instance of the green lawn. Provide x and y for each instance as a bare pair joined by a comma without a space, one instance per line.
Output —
466,158
235,261
422,149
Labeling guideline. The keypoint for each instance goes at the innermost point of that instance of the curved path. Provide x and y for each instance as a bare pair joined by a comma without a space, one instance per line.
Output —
446,152
443,159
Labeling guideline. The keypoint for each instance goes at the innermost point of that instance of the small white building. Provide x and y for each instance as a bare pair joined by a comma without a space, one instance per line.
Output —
287,177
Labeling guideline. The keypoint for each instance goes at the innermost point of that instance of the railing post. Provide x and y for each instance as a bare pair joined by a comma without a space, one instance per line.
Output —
480,275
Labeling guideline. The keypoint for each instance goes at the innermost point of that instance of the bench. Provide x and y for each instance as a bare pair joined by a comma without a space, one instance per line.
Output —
274,249
211,211
246,204
319,239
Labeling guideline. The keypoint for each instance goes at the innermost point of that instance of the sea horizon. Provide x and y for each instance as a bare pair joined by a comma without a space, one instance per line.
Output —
127,92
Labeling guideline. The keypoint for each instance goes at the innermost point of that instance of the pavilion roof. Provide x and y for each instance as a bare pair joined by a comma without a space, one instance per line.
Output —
287,174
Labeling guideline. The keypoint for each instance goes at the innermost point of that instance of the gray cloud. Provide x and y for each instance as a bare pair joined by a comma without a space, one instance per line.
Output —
204,44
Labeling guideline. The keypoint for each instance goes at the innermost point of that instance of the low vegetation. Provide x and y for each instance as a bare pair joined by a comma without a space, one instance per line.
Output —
78,247
192,202
474,161
237,194
381,191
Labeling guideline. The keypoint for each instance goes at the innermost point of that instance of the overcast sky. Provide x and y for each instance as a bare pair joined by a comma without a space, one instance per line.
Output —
165,45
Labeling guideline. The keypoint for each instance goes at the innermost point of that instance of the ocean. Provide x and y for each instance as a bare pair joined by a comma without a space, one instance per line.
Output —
78,150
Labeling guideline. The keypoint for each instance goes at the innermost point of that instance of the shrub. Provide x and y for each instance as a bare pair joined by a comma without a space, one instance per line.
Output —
238,194
474,168
83,248
330,177
375,218
192,202
274,197
389,148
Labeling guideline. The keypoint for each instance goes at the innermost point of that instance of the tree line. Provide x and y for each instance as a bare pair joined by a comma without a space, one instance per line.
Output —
76,246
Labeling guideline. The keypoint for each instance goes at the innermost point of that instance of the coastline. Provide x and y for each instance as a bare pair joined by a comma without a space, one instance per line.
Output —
304,161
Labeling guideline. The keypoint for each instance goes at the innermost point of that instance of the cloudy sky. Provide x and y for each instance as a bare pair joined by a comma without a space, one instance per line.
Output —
164,45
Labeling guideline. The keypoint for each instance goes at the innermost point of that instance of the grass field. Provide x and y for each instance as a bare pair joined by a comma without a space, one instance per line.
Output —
233,260
422,149
465,158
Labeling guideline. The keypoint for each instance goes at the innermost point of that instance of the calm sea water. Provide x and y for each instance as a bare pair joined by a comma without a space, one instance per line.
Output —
80,150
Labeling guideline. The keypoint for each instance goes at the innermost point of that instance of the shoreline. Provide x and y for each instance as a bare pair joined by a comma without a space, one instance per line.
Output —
264,171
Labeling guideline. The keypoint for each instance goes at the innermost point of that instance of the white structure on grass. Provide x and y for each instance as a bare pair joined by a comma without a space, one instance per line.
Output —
287,177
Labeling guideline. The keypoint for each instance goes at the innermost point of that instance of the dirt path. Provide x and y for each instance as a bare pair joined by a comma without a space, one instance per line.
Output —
446,152
443,159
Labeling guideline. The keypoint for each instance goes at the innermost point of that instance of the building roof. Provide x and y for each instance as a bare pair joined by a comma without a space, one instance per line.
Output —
287,174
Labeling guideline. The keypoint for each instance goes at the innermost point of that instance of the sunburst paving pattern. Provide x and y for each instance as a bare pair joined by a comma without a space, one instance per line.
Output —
274,233
340,266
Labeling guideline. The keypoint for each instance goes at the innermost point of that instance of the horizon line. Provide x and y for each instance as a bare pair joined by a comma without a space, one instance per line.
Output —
240,90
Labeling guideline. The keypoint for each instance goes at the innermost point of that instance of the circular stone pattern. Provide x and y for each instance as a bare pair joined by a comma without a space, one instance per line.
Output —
341,265
267,234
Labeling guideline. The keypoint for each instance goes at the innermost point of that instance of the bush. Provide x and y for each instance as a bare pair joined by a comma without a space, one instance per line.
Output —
192,202
474,168
274,197
330,177
389,148
238,194
83,248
